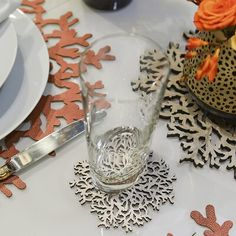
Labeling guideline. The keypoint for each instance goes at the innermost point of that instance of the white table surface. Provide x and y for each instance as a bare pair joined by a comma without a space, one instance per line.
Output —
48,207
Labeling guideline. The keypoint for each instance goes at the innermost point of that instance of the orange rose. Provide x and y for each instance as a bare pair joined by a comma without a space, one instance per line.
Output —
215,14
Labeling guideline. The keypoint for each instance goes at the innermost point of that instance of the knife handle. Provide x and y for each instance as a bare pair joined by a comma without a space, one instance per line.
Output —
5,172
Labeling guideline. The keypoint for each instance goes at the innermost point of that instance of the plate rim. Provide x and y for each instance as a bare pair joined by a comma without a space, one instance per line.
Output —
11,64
18,13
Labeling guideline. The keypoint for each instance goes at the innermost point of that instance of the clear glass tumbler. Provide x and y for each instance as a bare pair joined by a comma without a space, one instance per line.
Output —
134,85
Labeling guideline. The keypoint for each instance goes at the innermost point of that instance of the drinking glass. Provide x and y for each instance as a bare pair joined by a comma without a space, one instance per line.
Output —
118,146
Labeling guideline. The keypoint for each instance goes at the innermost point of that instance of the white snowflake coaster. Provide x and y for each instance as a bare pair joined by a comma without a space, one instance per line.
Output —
130,207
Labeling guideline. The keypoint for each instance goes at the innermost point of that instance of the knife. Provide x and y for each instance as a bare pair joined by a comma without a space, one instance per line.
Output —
44,146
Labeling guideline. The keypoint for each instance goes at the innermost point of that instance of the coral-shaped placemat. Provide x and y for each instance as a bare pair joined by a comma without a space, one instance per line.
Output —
132,206
210,222
46,116
204,141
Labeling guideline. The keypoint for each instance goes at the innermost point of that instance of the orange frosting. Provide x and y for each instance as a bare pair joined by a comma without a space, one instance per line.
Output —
209,67
193,43
190,54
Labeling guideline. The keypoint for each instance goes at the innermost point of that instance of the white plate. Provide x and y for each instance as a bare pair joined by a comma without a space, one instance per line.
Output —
8,49
28,78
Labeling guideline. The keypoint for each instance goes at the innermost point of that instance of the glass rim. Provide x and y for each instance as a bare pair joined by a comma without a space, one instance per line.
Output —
135,35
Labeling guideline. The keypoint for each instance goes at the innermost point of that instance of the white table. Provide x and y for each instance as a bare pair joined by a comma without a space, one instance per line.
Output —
48,207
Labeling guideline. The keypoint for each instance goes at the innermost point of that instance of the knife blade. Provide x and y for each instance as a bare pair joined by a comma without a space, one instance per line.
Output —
44,146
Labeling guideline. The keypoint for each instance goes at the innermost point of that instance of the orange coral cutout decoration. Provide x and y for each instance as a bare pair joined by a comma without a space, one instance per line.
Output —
91,58
70,110
209,221
15,180
214,229
209,67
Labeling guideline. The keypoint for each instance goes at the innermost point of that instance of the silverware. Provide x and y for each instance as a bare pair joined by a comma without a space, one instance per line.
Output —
44,146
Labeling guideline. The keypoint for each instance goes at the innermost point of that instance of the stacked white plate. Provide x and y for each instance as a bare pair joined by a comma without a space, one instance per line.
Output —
24,69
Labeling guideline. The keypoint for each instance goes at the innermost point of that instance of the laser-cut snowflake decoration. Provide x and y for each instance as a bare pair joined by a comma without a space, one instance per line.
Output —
130,207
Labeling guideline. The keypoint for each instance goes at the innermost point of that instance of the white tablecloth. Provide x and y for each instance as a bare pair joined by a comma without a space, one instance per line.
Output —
48,207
